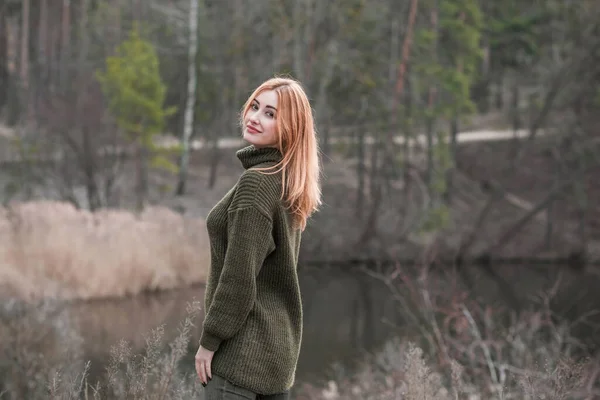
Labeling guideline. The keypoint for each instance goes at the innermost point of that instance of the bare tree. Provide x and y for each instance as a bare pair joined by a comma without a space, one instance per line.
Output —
188,123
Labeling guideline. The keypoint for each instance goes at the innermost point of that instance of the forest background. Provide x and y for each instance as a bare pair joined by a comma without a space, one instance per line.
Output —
453,133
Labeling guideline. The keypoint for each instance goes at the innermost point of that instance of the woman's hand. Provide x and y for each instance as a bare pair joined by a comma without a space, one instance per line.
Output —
203,360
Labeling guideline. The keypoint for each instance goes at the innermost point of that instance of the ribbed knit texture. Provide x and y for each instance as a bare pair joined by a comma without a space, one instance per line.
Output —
253,305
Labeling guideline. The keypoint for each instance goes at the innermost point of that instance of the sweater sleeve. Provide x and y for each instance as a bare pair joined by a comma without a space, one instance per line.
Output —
249,241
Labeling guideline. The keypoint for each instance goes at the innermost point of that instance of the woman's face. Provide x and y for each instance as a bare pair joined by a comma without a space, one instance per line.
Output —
260,121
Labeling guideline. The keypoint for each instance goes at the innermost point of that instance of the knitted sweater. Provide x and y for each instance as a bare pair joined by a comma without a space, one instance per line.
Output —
253,307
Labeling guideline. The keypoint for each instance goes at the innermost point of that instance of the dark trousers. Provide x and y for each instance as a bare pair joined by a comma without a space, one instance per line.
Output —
220,389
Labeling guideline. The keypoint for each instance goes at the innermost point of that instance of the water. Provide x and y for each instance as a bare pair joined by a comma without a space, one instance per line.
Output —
346,312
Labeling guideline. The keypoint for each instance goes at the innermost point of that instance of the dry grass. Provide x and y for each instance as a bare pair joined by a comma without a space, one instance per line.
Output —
52,250
41,359
475,355
402,371
455,348
36,342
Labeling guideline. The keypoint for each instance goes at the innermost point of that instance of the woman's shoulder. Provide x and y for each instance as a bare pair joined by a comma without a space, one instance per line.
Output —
257,189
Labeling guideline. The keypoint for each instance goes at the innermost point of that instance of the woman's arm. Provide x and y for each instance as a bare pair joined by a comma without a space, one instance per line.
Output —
249,241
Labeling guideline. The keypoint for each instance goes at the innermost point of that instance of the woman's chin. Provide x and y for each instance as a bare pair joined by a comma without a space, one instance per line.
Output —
252,139
258,140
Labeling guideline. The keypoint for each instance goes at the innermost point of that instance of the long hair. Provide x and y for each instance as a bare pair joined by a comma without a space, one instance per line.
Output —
297,141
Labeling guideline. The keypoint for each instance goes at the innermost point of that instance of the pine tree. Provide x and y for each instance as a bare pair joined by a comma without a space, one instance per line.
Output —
136,95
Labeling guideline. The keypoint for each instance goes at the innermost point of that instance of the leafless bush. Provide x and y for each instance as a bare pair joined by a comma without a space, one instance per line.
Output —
42,360
52,250
458,349
155,375
36,342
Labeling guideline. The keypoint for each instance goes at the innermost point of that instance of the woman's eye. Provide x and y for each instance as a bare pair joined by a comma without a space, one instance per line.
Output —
254,107
270,114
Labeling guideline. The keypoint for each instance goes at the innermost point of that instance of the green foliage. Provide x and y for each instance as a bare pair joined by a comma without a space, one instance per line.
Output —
133,86
135,91
515,35
359,23
460,34
207,90
437,218
447,56
104,16
438,214
445,63
159,161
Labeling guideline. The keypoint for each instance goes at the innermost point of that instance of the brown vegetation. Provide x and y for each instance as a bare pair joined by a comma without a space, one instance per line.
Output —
41,359
572,214
452,347
52,250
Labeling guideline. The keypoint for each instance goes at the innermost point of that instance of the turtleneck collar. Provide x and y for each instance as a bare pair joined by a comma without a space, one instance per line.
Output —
251,156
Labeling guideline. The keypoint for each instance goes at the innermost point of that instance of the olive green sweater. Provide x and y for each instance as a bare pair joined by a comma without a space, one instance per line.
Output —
253,307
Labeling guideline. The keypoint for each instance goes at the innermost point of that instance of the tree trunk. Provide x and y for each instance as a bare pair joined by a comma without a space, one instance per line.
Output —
430,132
406,46
516,115
396,98
360,172
54,49
371,230
4,75
90,169
322,109
408,135
431,102
90,160
41,64
453,152
299,21
188,124
581,194
65,43
360,165
24,62
499,98
522,222
142,177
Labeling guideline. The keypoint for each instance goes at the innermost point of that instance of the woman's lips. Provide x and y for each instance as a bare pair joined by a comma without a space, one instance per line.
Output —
251,129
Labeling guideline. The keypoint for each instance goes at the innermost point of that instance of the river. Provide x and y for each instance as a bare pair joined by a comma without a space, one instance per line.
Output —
346,312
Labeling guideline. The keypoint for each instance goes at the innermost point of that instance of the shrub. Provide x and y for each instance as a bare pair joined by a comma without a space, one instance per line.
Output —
42,360
52,250
457,348
36,342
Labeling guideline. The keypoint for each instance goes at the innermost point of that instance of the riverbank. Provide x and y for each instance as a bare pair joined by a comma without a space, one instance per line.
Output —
358,331
52,250
341,231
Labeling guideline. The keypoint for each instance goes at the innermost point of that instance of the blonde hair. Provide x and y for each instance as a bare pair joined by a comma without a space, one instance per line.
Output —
297,141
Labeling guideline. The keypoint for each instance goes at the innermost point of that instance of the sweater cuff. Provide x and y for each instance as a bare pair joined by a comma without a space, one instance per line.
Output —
210,342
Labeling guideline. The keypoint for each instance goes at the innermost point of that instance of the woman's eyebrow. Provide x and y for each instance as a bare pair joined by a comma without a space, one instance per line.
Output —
258,102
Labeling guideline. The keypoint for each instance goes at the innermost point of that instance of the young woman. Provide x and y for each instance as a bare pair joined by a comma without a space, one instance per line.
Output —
253,325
